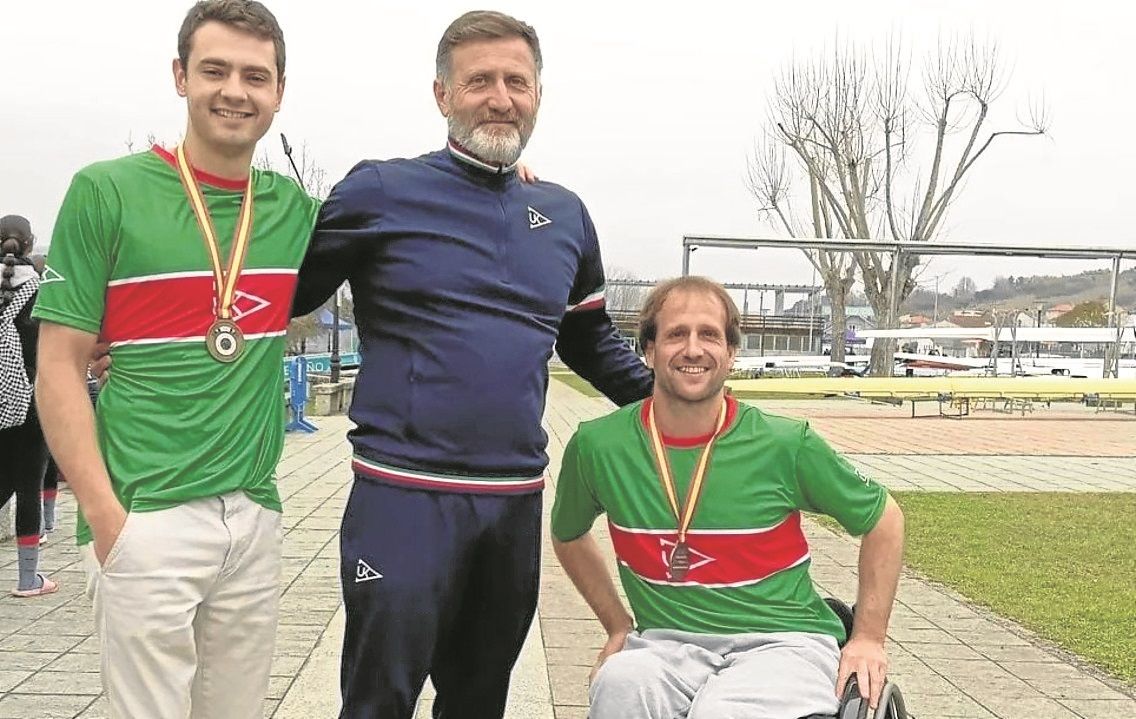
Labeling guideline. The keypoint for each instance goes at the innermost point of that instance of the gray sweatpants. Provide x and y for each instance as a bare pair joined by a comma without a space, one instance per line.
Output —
666,674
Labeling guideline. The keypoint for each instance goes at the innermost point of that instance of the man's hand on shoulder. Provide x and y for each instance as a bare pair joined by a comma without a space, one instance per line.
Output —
866,659
525,173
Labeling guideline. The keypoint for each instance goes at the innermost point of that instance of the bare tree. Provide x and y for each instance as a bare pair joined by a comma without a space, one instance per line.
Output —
151,140
965,289
313,178
854,130
770,180
623,297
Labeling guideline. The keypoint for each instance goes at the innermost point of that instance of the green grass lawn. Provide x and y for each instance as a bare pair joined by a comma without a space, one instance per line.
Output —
577,383
1063,565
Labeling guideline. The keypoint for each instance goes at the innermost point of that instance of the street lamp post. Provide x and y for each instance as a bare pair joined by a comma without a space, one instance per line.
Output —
335,361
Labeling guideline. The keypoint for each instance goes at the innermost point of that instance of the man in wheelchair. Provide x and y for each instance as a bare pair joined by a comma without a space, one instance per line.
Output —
703,497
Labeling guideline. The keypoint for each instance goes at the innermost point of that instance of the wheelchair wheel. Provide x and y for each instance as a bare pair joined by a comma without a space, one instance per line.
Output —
891,705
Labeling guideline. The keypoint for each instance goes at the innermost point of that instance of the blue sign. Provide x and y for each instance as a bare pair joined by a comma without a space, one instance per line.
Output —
297,373
321,363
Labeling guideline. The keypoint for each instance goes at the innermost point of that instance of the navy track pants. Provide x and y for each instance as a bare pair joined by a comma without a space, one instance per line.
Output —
440,584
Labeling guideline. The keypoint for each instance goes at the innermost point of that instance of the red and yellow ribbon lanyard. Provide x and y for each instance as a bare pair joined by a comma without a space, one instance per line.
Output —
224,339
679,563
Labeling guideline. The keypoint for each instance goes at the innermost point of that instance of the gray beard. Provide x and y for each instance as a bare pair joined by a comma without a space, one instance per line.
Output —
496,149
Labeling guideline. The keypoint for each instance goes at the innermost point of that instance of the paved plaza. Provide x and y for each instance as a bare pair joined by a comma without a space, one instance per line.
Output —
952,660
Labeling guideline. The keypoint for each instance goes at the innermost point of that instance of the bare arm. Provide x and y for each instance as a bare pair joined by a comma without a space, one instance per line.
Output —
881,557
586,568
69,425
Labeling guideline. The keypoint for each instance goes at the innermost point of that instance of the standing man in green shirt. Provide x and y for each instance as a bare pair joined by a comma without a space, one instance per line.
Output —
185,262
703,497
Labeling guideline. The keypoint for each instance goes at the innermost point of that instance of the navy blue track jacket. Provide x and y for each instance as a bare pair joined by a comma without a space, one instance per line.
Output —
463,278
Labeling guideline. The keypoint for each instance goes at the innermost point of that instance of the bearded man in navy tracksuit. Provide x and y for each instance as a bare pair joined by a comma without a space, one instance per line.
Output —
464,279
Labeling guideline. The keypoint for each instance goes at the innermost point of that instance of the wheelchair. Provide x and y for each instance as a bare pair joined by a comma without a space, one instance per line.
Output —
852,705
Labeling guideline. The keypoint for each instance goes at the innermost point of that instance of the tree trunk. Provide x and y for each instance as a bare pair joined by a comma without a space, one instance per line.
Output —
883,357
879,297
837,297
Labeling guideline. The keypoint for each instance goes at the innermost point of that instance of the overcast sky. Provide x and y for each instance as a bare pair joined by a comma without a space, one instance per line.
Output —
649,109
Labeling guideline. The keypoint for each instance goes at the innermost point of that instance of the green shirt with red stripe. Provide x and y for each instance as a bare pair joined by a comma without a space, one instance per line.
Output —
749,569
127,262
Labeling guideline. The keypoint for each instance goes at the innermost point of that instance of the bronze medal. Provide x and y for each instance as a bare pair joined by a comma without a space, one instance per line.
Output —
225,341
680,562
678,565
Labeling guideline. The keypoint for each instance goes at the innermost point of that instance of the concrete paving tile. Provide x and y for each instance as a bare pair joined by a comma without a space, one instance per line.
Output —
286,665
1102,709
69,624
100,709
23,611
29,661
1010,707
922,635
998,637
938,706
569,685
572,656
572,633
1016,652
1076,688
35,643
53,682
43,706
12,678
90,645
278,686
917,683
945,651
75,662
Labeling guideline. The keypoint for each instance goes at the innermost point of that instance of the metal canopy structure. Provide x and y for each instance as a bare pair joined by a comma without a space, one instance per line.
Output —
690,243
757,287
778,289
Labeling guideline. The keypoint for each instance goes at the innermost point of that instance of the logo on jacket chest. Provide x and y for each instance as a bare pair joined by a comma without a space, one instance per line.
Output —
536,219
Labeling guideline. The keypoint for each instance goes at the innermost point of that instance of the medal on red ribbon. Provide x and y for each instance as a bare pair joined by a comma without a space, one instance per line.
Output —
224,339
679,563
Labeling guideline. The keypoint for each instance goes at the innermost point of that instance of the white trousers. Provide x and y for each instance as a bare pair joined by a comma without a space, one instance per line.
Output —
186,606
664,674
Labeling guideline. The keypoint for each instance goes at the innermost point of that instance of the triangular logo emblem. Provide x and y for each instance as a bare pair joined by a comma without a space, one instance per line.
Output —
698,559
50,275
245,304
365,572
537,220
251,304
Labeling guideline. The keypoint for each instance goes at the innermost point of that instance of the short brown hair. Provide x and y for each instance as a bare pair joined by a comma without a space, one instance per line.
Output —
247,15
649,315
484,25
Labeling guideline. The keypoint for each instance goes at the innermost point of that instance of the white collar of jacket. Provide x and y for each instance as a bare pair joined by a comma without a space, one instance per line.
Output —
463,155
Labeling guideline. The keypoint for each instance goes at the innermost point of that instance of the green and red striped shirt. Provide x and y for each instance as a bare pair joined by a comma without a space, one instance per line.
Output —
127,262
749,568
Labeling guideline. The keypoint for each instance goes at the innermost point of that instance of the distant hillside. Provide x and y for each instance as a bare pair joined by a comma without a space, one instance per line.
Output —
1027,292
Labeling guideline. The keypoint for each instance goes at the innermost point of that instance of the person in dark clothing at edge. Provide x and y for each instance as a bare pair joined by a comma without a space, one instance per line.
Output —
463,280
23,451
